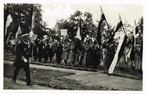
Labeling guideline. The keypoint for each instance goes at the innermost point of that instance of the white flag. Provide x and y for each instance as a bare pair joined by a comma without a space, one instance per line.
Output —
78,34
120,49
9,20
33,21
18,32
31,33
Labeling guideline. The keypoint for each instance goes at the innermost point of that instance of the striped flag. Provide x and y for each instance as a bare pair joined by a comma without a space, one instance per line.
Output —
119,52
8,22
120,48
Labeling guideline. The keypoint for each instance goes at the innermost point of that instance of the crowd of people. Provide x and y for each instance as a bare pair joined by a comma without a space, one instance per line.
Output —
75,52
66,51
70,52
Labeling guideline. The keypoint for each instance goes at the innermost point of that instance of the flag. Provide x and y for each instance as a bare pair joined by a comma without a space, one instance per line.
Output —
120,24
9,20
99,28
31,33
33,21
136,30
78,33
119,52
18,33
31,36
120,48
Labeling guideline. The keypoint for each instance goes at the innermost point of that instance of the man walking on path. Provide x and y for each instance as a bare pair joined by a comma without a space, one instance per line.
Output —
22,58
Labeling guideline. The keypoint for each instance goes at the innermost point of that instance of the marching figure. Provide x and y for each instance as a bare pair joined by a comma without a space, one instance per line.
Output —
22,58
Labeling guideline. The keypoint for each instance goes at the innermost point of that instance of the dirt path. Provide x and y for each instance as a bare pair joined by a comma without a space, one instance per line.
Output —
96,78
77,72
22,85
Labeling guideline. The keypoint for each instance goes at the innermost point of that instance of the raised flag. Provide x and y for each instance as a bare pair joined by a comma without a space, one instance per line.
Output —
78,33
18,33
9,20
31,33
100,28
120,24
120,48
119,52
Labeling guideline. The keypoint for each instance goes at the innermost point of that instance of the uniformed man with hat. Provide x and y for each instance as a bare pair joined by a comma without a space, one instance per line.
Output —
22,58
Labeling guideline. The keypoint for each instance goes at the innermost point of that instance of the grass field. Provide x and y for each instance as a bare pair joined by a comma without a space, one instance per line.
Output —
50,78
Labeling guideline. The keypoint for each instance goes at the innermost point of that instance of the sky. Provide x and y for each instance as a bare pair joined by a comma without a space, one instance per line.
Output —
53,12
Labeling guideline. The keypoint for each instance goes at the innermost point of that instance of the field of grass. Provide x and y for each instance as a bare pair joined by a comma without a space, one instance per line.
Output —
50,78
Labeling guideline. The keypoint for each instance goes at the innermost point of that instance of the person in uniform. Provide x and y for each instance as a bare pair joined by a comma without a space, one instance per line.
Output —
40,48
35,50
94,55
86,58
22,58
50,51
65,53
45,51
72,52
58,52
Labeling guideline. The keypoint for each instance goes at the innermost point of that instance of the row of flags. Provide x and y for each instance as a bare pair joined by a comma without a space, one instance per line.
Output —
121,44
120,47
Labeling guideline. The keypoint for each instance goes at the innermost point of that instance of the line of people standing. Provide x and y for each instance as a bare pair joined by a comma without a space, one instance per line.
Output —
67,51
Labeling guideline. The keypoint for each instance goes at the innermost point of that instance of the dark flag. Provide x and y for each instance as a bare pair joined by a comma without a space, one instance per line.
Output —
136,30
119,25
99,29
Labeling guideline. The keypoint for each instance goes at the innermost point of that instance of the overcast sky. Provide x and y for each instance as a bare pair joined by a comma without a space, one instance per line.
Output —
53,12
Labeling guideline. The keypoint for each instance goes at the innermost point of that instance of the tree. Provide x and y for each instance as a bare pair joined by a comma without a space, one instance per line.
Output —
22,16
84,20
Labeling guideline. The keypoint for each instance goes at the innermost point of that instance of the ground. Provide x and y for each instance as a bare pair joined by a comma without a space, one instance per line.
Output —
21,85
47,77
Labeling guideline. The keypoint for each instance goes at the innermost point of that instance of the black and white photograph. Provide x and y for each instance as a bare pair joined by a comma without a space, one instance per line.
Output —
73,46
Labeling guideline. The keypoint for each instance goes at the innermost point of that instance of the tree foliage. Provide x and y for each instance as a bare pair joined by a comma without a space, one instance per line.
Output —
22,16
84,20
